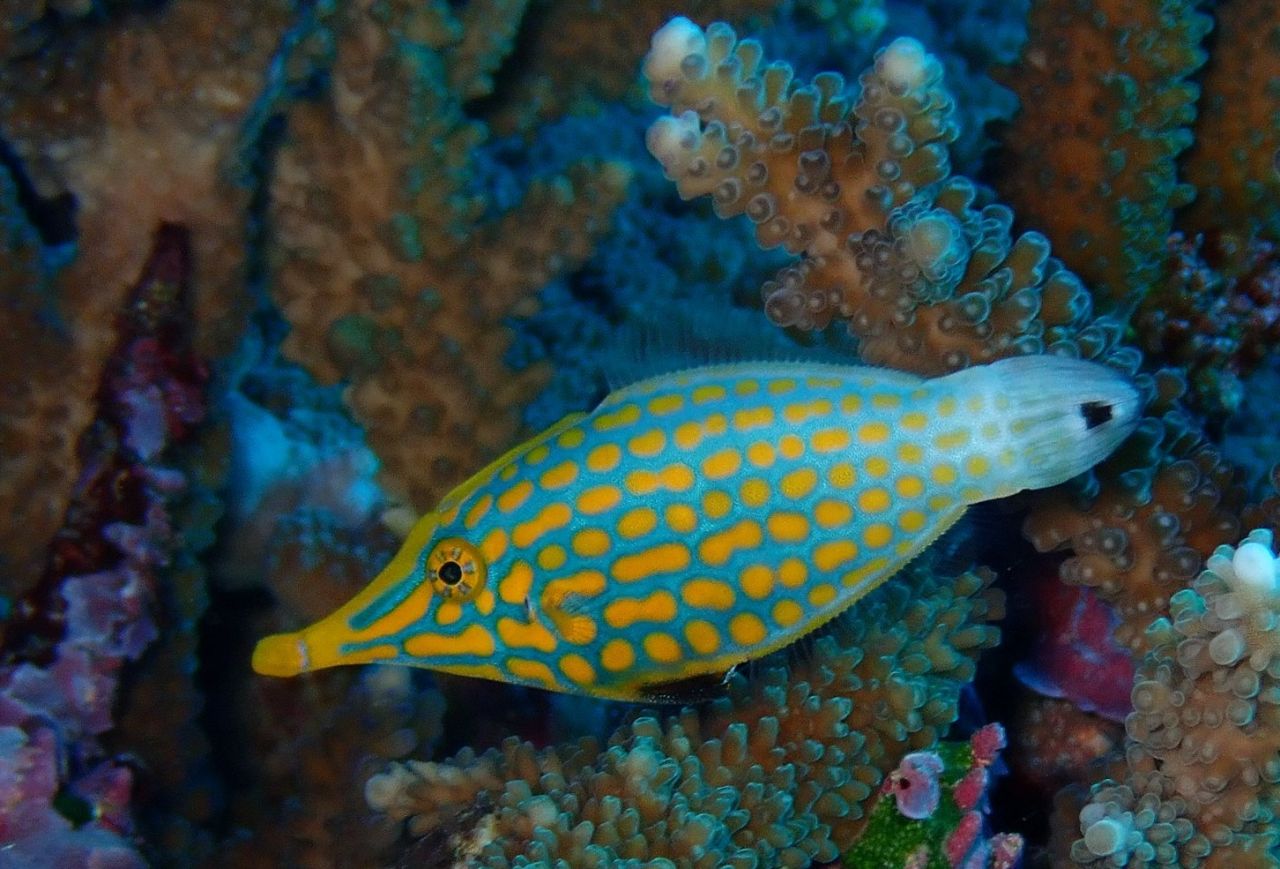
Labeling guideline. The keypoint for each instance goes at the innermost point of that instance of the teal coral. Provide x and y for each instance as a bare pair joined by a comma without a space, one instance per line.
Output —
778,773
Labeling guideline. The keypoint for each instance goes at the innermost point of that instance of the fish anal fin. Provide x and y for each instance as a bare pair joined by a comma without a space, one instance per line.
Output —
692,689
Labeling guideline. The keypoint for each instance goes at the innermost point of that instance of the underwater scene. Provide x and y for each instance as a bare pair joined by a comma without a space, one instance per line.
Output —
652,435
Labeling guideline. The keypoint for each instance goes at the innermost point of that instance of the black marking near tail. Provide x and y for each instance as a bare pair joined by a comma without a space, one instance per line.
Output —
1095,413
695,689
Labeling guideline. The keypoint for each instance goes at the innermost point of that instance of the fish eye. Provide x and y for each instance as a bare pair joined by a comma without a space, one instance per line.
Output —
456,569
1095,413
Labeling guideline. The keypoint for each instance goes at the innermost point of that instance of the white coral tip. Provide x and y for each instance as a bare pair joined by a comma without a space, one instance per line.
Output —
671,44
904,64
1254,567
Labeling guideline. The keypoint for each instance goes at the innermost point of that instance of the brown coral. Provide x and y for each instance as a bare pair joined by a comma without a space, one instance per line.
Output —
779,773
1106,103
385,264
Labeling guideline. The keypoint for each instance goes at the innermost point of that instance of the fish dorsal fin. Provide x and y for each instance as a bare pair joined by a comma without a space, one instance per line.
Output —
673,341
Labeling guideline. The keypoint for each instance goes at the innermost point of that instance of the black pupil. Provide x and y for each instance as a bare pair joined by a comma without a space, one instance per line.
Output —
450,573
1095,413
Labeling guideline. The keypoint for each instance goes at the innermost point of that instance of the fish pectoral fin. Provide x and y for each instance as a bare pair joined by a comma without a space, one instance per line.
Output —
568,613
693,689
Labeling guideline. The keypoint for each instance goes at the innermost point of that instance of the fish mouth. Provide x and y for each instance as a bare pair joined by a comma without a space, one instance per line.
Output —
281,655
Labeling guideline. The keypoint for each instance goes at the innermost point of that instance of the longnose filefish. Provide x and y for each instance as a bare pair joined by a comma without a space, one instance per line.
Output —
703,518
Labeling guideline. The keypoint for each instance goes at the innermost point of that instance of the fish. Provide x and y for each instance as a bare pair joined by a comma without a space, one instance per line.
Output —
699,519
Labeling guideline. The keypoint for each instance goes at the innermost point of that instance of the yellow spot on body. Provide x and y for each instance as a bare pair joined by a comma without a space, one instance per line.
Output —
475,640
552,557
717,503
756,581
912,521
886,400
688,435
913,421
572,438
944,473
977,466
947,406
909,486
877,466
637,522
842,475
525,635
872,568
792,572
604,458
514,497
874,500
707,593
823,382
648,444
553,516
756,417
821,595
851,403
787,612
754,492
778,387
829,556
830,440
721,464
665,404
681,518
664,558
790,446
448,612
591,542
710,392
1007,457
972,494
974,403
625,415
990,431
702,636
940,502
761,454
877,534
485,602
477,511
830,513
952,440
662,648
577,669
626,611
674,478
538,454
533,671
617,655
599,499
514,587
799,483
494,545
786,527
747,629
873,433
507,473
560,476
1002,402
746,387
910,453
588,583
803,410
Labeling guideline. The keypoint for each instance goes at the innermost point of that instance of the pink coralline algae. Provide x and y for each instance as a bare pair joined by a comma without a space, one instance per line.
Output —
64,802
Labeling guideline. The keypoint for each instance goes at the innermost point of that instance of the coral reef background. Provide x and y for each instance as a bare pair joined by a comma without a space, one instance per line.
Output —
275,275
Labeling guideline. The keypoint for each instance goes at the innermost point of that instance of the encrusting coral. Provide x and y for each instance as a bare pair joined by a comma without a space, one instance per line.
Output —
390,269
778,773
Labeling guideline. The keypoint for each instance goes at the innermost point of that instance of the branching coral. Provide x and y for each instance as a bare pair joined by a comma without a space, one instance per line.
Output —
386,264
1203,748
1106,105
778,773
